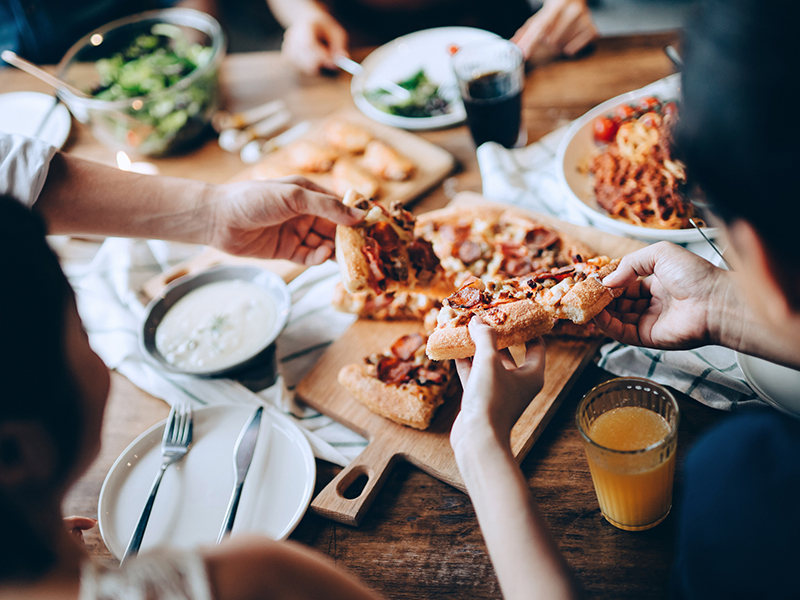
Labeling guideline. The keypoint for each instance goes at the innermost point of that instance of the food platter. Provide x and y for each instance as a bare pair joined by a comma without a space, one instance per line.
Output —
578,146
406,55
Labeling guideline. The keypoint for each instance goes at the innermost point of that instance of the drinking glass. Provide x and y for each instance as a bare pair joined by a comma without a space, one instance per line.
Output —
633,485
491,75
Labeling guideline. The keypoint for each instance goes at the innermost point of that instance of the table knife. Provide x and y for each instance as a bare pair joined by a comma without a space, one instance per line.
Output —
242,457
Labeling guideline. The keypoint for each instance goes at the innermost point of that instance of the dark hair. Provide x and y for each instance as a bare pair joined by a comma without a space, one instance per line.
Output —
36,382
738,132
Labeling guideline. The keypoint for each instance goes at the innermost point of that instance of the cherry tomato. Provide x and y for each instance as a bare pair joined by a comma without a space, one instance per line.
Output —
650,119
626,111
670,108
649,103
605,129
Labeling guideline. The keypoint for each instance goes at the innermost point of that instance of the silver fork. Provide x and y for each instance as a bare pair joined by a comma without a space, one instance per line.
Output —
174,446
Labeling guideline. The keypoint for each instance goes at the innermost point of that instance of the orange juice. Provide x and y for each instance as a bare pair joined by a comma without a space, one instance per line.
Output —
633,485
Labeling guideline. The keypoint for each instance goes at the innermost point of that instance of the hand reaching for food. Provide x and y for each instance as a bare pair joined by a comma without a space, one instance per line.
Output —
675,305
560,27
313,40
496,391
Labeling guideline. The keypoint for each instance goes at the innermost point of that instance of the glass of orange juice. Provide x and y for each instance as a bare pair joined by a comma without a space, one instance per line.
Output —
629,428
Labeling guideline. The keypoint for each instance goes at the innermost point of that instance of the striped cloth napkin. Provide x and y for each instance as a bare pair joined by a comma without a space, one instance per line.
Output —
106,290
527,177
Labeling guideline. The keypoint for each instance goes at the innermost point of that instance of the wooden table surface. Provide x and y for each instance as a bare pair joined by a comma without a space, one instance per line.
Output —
421,539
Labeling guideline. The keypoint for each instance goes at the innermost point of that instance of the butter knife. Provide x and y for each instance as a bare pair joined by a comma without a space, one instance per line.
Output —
242,457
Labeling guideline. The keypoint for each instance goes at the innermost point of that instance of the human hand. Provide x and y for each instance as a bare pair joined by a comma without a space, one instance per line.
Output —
496,391
77,525
559,27
313,41
289,218
674,307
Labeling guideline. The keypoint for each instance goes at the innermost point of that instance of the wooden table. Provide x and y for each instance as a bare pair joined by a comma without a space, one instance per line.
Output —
421,538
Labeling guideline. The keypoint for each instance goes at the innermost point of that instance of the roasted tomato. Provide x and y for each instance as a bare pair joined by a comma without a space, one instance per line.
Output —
649,103
405,347
625,112
670,108
650,119
605,129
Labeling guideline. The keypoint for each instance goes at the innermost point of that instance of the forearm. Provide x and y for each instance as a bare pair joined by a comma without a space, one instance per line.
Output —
83,197
287,12
735,325
524,554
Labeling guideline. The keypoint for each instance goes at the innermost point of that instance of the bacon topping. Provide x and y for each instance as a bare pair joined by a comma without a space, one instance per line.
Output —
406,346
518,266
385,235
469,252
466,297
454,233
557,274
540,238
429,376
421,254
513,250
393,370
373,260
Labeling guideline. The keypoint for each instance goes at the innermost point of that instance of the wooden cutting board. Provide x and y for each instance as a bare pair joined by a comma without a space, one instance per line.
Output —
433,163
344,499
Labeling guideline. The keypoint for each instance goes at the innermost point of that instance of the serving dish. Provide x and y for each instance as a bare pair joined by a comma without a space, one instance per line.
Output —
777,385
401,58
166,119
578,146
157,309
192,499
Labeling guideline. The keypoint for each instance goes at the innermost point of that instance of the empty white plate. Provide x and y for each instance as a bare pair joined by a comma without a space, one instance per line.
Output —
191,502
23,112
775,384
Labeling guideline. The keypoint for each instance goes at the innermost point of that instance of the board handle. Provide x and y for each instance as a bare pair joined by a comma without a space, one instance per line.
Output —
348,496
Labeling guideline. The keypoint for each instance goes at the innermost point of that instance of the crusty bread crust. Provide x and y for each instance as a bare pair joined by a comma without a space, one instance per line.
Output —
514,322
589,297
411,405
352,261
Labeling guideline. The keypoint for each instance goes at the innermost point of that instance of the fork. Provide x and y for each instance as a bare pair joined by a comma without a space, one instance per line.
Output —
174,446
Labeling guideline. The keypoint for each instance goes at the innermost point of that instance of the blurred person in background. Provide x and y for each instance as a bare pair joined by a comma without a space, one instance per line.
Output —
317,32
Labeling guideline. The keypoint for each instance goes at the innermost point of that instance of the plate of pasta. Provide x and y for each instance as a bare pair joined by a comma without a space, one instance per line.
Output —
616,167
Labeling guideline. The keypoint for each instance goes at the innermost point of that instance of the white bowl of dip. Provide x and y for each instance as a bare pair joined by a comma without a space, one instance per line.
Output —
215,322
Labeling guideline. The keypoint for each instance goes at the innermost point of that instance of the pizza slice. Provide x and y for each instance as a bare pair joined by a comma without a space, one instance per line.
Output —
381,254
392,306
522,308
401,383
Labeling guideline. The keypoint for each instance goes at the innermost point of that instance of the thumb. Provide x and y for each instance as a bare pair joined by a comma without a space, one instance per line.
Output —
638,264
485,339
308,202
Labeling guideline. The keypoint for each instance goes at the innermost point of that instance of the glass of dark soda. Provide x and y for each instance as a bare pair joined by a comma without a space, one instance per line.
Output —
491,75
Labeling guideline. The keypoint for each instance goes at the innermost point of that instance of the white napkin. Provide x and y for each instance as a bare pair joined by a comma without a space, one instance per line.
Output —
112,315
527,177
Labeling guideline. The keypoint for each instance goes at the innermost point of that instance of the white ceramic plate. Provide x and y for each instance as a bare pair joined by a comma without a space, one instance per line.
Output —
578,146
194,494
23,112
775,384
401,58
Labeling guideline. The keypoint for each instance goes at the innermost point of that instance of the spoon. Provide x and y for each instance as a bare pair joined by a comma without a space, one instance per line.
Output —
25,65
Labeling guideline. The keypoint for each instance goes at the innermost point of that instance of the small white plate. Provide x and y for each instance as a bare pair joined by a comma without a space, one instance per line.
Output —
775,384
578,146
194,494
23,112
401,58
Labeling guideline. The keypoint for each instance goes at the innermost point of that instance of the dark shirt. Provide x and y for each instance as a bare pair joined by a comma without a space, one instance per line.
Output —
43,30
739,521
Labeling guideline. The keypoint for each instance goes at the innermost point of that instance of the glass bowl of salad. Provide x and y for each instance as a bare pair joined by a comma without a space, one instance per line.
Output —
150,82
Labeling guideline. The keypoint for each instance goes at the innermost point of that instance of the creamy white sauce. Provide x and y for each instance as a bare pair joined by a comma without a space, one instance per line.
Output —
216,326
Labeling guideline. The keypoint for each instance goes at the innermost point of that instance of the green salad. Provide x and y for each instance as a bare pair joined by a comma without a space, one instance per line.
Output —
426,99
167,116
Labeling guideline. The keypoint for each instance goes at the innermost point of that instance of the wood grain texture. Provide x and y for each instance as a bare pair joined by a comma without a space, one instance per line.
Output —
430,450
